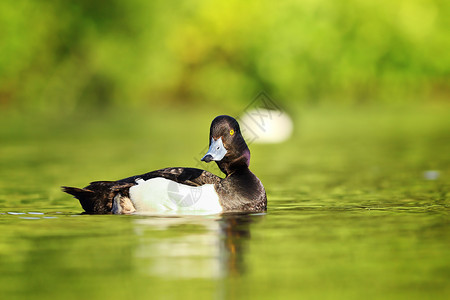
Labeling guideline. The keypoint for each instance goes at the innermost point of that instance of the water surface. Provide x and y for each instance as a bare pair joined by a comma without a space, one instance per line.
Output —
352,212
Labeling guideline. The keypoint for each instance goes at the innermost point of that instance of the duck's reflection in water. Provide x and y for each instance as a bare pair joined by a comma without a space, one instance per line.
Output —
193,247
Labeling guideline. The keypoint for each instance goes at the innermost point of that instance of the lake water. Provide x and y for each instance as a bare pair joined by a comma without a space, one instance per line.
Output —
358,208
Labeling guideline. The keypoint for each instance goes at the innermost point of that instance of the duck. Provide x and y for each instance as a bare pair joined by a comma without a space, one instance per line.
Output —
185,190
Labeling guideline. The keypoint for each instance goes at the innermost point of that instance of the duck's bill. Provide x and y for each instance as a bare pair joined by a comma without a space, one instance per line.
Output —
216,151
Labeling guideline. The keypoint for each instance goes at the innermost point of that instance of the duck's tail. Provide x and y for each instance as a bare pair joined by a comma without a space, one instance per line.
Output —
86,197
98,197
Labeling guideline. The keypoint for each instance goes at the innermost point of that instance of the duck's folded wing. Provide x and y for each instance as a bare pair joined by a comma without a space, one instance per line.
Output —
188,176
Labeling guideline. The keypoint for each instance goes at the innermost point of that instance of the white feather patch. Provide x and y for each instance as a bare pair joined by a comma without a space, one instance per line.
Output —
160,195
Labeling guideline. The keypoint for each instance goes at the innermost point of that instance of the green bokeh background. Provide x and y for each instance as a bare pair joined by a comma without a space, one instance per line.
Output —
102,90
62,55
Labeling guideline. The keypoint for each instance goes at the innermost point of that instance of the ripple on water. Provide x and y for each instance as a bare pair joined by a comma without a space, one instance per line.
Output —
34,215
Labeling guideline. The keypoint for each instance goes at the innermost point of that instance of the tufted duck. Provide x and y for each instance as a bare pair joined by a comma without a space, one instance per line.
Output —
185,190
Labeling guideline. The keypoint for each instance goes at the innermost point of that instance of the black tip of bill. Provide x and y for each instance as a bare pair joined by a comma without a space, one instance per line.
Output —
207,158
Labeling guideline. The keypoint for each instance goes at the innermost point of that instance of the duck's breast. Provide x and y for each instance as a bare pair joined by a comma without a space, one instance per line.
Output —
160,195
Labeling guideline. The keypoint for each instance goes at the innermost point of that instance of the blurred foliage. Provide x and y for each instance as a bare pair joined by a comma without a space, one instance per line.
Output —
60,55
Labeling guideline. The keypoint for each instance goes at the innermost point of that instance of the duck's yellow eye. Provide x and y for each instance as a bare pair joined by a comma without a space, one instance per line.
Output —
231,132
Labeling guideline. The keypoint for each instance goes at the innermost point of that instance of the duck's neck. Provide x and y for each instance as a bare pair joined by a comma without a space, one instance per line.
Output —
237,165
238,172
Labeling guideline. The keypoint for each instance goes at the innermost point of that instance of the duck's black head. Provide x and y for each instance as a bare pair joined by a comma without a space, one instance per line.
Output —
227,146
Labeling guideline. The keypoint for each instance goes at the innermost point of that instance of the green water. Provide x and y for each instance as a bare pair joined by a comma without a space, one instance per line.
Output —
351,214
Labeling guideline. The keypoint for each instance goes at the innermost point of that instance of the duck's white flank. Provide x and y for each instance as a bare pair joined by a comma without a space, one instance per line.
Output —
159,195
